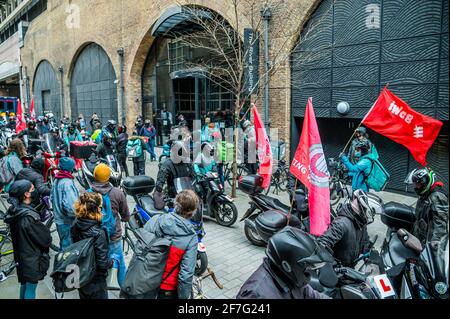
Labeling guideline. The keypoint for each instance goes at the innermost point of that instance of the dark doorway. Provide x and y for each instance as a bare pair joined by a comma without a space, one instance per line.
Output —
189,97
46,102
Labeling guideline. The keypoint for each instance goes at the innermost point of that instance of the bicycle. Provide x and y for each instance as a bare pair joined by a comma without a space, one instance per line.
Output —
242,170
7,262
197,287
339,179
280,179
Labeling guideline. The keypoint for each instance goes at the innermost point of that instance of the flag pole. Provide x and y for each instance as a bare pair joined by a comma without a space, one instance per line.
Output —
292,201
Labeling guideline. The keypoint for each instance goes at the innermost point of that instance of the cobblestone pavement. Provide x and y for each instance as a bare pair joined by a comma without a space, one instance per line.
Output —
231,256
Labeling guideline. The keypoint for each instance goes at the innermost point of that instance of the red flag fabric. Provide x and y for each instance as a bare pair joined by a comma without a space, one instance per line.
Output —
32,111
263,148
392,117
310,167
20,118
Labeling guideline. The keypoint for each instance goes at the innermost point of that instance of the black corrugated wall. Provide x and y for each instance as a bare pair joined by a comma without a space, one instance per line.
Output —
350,49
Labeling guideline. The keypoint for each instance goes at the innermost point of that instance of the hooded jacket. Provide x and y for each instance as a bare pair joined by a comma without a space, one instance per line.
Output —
170,171
63,196
122,141
31,241
36,178
265,283
431,215
85,228
346,237
119,205
183,251
359,171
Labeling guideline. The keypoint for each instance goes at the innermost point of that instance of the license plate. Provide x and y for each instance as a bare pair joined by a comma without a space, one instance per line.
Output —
384,286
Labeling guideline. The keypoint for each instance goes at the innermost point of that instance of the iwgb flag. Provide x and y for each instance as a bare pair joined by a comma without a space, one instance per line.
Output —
20,118
263,148
392,117
310,167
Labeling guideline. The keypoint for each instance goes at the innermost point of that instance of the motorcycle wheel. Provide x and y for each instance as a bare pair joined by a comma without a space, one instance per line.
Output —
226,213
252,236
202,263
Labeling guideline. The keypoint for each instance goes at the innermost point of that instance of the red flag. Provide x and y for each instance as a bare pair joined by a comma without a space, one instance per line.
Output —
32,111
310,167
263,149
392,117
20,119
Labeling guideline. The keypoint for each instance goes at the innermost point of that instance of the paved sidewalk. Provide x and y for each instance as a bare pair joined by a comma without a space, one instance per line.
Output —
231,256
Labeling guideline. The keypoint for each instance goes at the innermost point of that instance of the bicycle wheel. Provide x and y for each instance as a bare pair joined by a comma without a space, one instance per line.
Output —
283,180
7,262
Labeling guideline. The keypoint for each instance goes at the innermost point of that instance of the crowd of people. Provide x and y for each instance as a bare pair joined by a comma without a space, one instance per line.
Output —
98,213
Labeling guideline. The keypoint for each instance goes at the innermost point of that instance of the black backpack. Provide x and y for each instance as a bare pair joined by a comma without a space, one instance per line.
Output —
145,272
74,266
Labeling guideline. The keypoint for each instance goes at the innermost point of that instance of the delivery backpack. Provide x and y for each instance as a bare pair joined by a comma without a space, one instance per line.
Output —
145,272
134,148
108,219
378,176
5,171
74,266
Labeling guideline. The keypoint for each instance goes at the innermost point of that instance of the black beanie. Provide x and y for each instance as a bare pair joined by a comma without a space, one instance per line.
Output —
17,190
38,165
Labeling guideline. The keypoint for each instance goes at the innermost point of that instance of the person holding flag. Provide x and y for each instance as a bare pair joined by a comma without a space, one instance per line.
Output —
21,123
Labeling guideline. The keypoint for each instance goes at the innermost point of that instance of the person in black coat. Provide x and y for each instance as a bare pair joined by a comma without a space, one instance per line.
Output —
286,272
34,175
88,212
31,239
121,146
347,235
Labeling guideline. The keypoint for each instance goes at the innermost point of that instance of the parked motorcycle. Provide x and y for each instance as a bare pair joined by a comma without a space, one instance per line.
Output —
85,175
216,203
140,187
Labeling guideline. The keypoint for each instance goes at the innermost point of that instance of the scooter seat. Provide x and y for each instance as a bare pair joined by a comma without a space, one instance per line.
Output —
147,203
275,203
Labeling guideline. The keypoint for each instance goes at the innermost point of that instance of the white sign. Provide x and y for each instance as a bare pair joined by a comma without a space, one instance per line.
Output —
384,286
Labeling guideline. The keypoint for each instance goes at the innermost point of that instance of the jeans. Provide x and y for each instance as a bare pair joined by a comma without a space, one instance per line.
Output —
151,149
28,291
116,252
139,168
65,239
220,173
122,159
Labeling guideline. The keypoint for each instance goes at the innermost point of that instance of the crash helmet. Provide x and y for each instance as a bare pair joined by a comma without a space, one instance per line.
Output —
360,204
40,119
209,147
11,118
361,130
246,124
363,145
54,130
107,138
72,127
31,125
46,119
122,129
296,255
179,152
422,179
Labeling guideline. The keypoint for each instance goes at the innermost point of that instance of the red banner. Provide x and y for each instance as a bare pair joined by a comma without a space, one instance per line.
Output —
263,148
20,118
310,167
32,111
392,117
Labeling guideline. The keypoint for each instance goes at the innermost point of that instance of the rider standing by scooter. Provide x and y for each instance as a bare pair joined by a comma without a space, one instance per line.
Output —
106,147
432,206
347,236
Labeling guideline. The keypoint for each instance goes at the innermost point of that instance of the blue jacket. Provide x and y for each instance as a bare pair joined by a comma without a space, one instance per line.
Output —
149,132
359,171
63,196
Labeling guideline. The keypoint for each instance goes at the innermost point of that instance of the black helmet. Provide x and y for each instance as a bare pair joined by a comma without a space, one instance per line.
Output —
31,124
360,203
296,254
422,178
361,130
72,126
363,145
111,124
54,130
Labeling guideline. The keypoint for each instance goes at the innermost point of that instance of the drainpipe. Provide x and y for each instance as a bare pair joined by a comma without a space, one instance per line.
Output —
27,86
61,91
122,84
266,14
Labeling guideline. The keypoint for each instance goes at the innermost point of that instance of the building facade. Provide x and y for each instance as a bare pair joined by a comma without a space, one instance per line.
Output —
113,58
